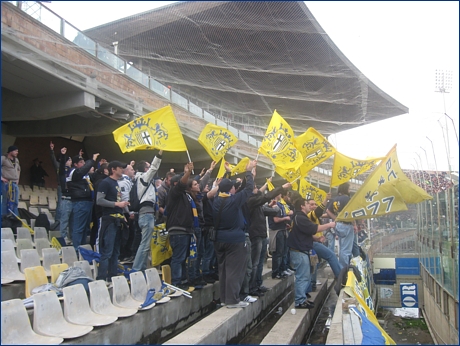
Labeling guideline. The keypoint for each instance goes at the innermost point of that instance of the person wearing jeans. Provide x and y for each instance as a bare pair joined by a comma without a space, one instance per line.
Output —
112,221
11,171
300,243
146,192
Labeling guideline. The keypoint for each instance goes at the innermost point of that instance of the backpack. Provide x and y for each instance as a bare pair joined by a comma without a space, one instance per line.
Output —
134,200
42,221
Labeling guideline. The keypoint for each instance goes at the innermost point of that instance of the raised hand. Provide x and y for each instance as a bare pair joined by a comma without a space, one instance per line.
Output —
51,145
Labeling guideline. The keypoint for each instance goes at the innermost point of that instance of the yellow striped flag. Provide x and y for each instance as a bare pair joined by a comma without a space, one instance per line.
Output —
314,149
309,191
240,167
278,144
386,190
216,140
270,185
155,130
346,168
221,172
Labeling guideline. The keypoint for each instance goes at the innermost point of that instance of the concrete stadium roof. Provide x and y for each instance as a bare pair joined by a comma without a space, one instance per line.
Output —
243,60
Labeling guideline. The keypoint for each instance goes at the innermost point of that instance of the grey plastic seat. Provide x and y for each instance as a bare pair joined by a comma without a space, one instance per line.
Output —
139,288
23,244
50,257
7,245
34,210
42,243
22,205
23,233
29,258
77,310
121,295
49,319
53,234
87,247
40,232
85,266
16,328
69,255
100,301
10,268
153,281
7,233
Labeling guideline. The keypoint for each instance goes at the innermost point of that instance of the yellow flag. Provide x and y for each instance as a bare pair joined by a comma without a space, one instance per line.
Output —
155,130
386,190
346,168
240,166
222,170
309,191
313,148
278,144
289,174
216,140
270,185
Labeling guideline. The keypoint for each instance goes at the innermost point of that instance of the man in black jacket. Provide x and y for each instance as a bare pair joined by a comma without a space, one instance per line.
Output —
300,243
258,230
82,195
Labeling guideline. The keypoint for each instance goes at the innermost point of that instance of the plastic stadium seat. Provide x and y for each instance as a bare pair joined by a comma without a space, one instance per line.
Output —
22,245
50,257
56,269
10,268
35,276
121,294
51,234
33,199
139,288
42,200
25,196
85,266
77,310
16,328
29,258
42,243
23,233
7,233
52,204
166,273
69,255
22,205
49,319
100,301
34,210
153,281
40,232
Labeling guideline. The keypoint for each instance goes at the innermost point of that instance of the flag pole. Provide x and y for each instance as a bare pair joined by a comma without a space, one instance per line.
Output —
190,160
292,182
23,223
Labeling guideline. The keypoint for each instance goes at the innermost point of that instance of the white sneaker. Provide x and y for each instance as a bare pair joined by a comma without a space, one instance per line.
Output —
68,241
290,271
238,305
287,273
250,299
318,283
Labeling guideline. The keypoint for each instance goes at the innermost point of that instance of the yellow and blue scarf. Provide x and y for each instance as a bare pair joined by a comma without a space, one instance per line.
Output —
196,223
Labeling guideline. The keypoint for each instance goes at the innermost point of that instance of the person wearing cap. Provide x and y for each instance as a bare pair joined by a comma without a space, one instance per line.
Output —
82,196
230,244
111,227
11,170
146,191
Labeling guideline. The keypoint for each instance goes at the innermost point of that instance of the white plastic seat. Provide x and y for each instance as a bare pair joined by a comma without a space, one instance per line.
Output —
52,203
22,205
69,255
100,301
53,234
23,233
33,199
7,245
29,258
87,247
121,295
50,257
10,268
42,200
40,244
7,233
139,288
49,319
25,196
34,210
153,281
23,244
16,328
77,310
85,266
44,210
40,232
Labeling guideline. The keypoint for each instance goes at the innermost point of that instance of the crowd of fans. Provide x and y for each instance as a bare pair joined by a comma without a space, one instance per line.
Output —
431,182
217,228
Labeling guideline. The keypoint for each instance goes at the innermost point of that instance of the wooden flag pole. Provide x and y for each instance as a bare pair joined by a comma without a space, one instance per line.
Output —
292,182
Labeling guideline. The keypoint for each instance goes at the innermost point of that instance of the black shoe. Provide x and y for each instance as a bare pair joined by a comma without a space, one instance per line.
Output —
256,294
184,287
308,295
208,279
263,289
305,305
198,282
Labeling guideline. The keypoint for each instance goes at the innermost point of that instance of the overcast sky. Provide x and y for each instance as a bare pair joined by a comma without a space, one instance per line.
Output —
397,45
